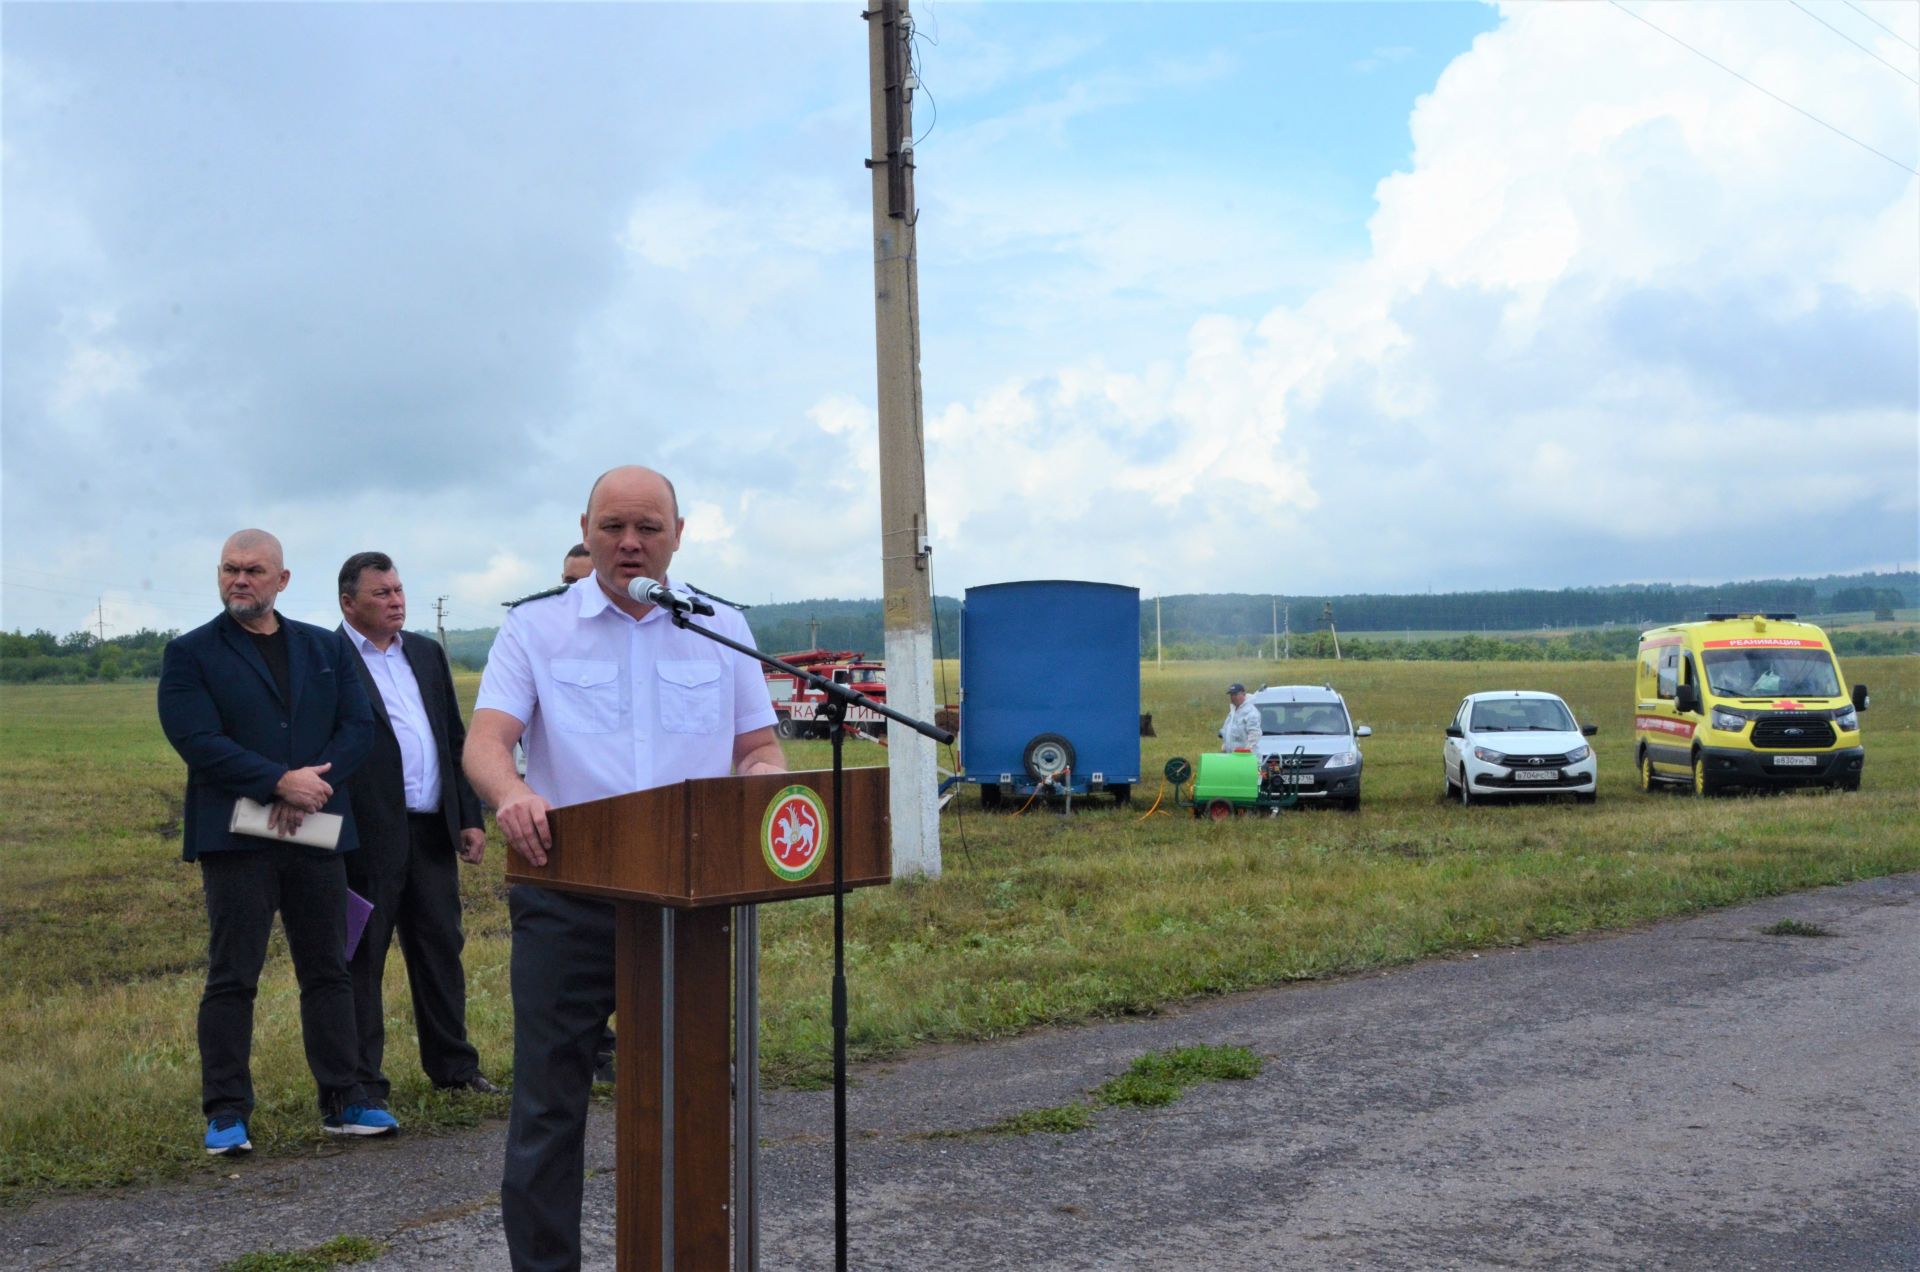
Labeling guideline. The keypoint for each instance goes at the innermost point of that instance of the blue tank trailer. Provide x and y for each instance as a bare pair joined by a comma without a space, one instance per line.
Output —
1050,690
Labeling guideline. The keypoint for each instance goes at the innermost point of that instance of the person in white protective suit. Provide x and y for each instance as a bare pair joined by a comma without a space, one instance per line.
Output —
1241,732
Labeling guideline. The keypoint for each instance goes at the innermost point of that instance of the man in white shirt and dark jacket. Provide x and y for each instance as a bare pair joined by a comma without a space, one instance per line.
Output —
416,813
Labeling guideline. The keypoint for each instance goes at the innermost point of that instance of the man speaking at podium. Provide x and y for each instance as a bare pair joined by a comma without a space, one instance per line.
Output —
608,697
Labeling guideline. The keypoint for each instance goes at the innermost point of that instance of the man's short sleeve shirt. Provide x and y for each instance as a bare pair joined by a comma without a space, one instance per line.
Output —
612,704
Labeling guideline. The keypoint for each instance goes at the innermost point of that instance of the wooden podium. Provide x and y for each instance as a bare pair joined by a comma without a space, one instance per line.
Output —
674,860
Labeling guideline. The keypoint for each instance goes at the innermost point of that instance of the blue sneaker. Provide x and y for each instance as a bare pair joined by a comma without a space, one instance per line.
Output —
360,1119
227,1137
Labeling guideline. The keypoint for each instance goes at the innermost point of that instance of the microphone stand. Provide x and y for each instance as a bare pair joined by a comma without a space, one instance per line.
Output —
839,698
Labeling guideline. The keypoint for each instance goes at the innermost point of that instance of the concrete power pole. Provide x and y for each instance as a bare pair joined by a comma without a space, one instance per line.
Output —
440,618
907,602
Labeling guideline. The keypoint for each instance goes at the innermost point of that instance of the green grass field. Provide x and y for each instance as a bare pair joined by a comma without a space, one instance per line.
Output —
1038,919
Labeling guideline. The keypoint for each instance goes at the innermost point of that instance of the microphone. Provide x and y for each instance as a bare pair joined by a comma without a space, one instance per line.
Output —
673,600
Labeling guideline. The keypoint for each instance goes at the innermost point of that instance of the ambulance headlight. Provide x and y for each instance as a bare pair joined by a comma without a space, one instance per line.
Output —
1728,721
1848,721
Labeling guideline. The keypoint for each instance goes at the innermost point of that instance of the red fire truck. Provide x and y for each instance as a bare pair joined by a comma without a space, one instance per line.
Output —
798,704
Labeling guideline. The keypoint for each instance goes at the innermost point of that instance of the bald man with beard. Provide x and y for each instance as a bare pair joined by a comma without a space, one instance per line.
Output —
264,708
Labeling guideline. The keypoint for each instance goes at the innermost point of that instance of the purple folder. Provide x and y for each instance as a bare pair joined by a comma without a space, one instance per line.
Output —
359,909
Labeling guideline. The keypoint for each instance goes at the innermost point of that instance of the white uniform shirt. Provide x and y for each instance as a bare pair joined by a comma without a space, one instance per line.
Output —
407,711
612,704
1241,732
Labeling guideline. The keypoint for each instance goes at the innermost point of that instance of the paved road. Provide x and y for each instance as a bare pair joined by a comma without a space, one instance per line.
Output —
1693,1095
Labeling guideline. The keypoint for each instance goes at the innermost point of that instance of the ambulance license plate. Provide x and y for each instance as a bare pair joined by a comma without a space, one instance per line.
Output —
1795,761
1536,775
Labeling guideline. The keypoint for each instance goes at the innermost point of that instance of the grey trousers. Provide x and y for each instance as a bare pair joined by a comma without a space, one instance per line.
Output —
562,974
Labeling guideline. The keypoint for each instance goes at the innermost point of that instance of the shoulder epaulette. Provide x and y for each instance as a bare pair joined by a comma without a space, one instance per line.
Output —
537,596
694,587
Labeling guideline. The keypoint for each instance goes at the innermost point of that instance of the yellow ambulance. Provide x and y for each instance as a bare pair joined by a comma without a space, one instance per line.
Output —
1745,700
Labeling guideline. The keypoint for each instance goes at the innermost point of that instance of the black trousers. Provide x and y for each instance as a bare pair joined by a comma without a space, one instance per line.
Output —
420,899
244,887
562,996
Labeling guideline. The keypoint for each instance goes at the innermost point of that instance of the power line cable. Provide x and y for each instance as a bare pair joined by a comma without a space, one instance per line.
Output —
1769,92
64,575
94,596
1883,26
1856,44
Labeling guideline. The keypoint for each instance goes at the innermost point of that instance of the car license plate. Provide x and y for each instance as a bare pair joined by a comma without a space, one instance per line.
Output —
1795,761
1536,775
1300,779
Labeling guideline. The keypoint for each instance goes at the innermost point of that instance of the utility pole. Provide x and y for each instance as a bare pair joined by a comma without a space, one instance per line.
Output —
907,602
1286,617
100,609
1276,628
1326,612
813,631
440,618
1159,649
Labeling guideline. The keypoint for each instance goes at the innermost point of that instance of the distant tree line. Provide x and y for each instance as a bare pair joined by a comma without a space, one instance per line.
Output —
1590,645
786,627
41,656
1210,618
1480,626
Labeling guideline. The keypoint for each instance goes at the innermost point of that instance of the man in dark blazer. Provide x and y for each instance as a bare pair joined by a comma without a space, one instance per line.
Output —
268,709
415,812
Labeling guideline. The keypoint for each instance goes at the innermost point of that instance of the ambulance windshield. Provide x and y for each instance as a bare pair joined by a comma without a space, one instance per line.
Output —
1771,672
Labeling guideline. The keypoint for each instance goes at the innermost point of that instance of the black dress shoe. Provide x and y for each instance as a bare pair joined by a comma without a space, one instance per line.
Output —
479,1084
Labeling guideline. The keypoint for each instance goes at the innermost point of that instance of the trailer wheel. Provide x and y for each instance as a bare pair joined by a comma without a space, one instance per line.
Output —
1047,756
1219,810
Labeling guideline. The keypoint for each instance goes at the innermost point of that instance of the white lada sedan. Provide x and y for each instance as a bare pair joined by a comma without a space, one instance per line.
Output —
1518,742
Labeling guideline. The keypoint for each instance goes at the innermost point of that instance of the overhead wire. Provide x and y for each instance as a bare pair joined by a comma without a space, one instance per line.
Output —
919,77
66,575
1883,26
1769,92
95,596
1856,44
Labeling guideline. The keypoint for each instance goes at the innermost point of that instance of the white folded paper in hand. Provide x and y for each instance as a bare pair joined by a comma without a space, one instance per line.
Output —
319,830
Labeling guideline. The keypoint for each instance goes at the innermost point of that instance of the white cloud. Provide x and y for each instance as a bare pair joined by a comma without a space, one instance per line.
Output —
506,575
1618,303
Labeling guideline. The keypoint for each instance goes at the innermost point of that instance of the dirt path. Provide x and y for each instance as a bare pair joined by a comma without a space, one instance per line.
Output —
1693,1095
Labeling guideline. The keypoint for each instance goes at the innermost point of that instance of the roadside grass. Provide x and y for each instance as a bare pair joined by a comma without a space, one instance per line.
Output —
1794,927
1038,919
339,1252
1154,1080
1063,1119
1159,1078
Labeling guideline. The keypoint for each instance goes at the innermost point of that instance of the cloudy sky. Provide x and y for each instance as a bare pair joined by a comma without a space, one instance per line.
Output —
1252,297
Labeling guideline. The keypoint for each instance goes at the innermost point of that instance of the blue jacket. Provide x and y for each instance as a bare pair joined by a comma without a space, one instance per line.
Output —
222,712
